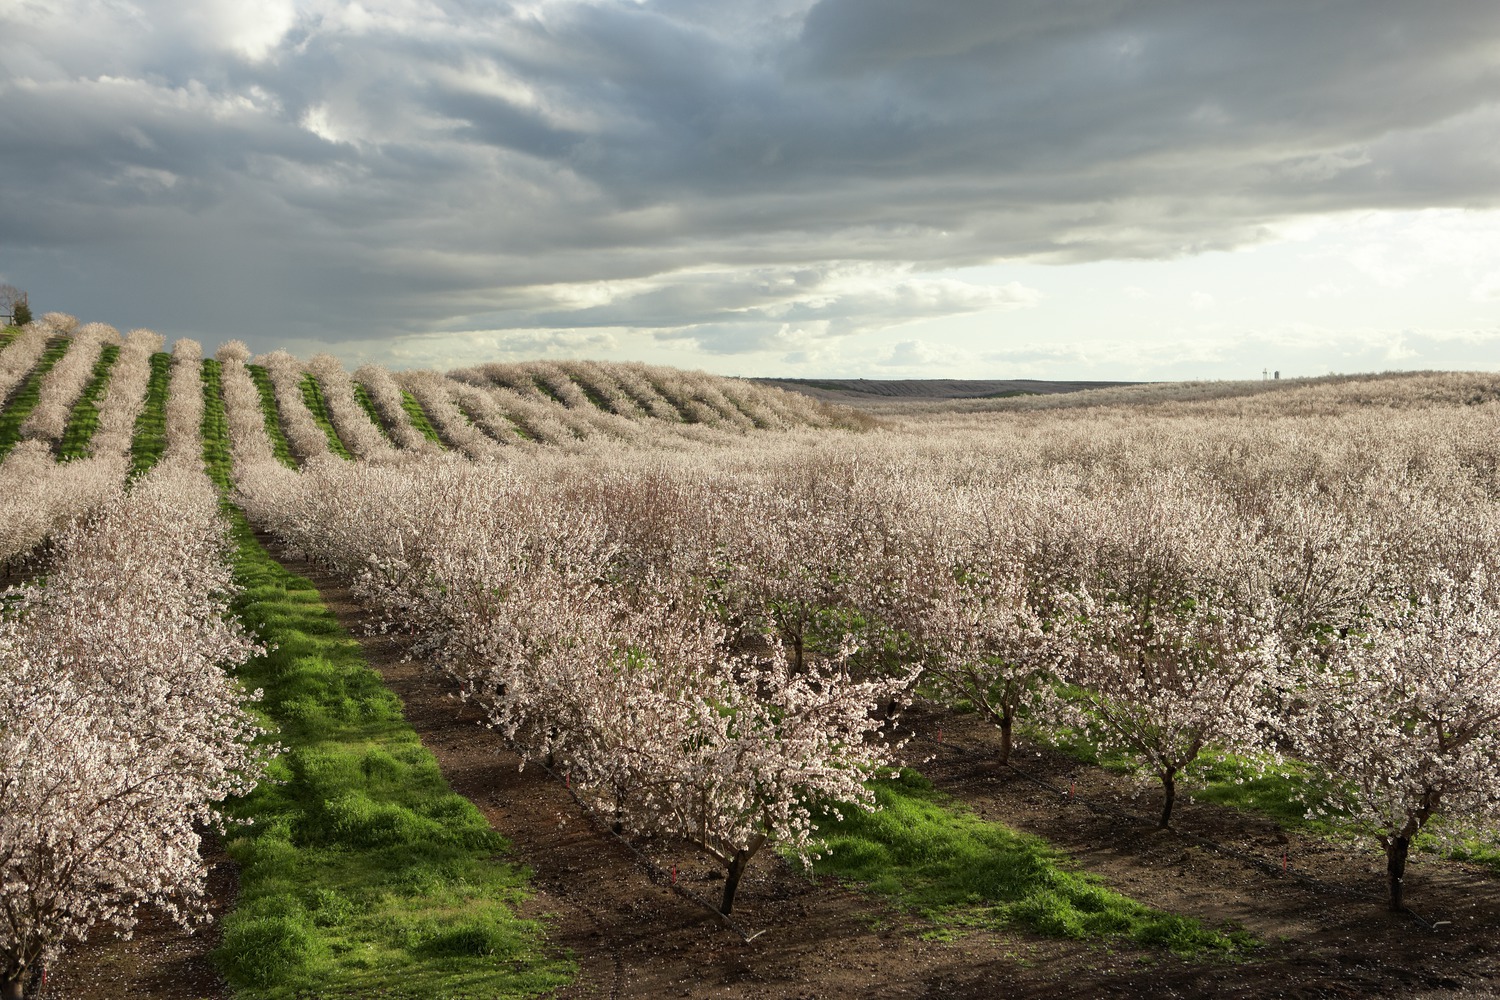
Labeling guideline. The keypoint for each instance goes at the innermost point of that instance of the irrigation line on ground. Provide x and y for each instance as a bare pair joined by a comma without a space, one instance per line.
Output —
1104,808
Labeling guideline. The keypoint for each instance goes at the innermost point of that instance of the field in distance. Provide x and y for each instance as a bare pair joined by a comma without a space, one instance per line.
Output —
857,391
918,397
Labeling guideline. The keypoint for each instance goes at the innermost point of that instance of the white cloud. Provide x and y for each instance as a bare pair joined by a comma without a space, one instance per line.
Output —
1327,290
1487,289
913,354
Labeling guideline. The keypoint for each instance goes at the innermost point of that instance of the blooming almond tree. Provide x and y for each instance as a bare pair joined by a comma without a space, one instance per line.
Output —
1163,684
791,557
100,814
734,756
964,595
40,496
985,644
184,411
1404,718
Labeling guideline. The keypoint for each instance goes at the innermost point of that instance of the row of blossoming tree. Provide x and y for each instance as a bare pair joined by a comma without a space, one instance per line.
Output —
121,731
711,643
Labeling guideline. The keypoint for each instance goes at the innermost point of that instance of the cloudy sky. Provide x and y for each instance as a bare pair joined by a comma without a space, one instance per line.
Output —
879,188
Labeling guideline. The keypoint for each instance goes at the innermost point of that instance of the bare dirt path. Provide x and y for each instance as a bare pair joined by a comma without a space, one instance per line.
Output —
160,961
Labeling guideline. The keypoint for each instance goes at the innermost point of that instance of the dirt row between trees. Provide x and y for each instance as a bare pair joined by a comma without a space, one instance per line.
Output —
160,961
633,937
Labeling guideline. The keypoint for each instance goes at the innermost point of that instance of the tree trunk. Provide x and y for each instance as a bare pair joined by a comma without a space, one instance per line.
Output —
796,657
732,882
1169,795
1007,722
1395,867
13,989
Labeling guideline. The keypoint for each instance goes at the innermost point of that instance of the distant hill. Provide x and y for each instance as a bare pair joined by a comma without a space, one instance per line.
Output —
854,390
903,398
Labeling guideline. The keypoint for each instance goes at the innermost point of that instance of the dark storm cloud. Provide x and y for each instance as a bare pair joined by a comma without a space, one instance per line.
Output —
344,171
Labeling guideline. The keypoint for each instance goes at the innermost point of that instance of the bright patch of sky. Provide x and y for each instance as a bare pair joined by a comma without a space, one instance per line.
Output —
1372,291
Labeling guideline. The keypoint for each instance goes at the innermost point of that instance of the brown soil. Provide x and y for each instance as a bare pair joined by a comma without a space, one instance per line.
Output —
633,937
161,960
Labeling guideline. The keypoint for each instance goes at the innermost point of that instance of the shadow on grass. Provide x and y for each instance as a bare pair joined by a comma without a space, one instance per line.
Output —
930,855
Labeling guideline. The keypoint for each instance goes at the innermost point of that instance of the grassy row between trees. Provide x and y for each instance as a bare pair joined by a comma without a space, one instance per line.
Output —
362,396
1284,792
279,445
312,395
419,419
149,441
83,418
26,397
362,874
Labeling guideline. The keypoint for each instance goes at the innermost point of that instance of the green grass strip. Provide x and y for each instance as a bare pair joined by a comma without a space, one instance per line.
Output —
25,399
419,417
1282,791
279,445
149,442
83,419
217,457
1285,792
929,854
593,395
546,389
362,395
312,395
7,335
362,874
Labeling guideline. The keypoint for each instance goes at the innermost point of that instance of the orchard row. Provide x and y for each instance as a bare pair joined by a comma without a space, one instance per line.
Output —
121,731
713,643
99,403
